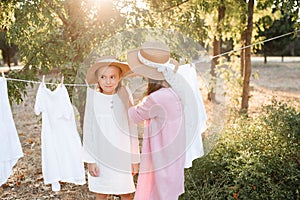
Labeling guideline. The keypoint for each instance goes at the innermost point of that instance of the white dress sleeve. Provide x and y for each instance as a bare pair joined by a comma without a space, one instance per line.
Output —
86,157
67,111
134,140
39,104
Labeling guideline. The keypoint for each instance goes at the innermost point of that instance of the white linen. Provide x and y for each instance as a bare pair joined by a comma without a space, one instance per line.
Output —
195,148
61,145
184,83
10,146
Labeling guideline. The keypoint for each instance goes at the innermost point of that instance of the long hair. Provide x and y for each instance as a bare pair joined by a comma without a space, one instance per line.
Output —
154,85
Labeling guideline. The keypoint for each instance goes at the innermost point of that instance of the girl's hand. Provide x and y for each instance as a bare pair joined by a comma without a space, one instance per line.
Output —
134,169
93,169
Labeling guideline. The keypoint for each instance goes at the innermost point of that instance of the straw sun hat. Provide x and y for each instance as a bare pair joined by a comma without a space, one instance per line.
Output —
92,76
152,53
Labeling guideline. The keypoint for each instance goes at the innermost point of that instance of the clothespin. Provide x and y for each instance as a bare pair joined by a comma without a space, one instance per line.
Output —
87,84
3,75
181,61
43,80
62,80
191,62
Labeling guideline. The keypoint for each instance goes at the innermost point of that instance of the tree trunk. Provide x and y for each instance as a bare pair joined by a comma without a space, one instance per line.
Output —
216,51
265,55
265,59
73,22
246,82
243,38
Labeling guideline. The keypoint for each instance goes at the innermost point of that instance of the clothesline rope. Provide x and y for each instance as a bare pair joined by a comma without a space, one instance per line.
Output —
47,83
264,41
219,55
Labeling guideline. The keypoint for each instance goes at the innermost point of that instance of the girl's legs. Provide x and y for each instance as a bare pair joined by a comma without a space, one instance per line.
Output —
126,196
101,196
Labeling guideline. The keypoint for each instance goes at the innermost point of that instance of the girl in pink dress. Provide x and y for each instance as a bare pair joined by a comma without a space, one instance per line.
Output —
161,174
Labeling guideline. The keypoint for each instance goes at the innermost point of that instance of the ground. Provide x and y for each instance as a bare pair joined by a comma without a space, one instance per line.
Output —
280,80
275,79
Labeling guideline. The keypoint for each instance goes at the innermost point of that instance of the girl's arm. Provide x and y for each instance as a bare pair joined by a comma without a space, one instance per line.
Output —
134,139
134,143
142,111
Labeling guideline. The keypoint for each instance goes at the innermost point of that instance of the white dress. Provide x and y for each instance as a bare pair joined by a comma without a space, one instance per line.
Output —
108,144
10,146
61,145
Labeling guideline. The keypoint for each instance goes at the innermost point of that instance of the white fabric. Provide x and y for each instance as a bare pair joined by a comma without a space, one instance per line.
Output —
110,181
159,66
108,141
10,146
184,84
61,145
195,150
55,187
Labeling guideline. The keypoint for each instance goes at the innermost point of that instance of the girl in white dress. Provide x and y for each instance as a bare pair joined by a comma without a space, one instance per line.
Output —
110,142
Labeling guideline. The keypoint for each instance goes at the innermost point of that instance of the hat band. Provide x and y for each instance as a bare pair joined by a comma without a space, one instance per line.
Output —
108,60
159,66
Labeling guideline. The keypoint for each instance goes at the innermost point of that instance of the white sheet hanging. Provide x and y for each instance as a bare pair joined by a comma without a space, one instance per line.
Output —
10,146
61,145
195,149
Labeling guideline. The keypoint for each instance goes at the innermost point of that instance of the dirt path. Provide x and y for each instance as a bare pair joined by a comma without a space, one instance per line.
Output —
280,80
275,79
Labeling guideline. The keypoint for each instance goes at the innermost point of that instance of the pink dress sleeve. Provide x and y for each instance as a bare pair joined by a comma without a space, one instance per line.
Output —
142,111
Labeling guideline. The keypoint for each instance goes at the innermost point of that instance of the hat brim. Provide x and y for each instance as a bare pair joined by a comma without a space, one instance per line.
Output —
141,69
92,77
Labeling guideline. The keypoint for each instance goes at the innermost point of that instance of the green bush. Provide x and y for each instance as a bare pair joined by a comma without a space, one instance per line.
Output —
255,158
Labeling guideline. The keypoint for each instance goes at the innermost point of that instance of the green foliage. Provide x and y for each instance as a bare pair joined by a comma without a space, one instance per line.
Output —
254,159
230,74
56,34
268,28
53,33
285,120
278,21
17,90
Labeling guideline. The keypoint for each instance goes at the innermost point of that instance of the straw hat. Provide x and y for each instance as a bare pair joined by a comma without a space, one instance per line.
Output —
92,76
155,52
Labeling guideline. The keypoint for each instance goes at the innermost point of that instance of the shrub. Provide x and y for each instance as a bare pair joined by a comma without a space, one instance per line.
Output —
253,159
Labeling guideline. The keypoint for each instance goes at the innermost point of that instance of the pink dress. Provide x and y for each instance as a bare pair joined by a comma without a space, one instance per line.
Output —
161,174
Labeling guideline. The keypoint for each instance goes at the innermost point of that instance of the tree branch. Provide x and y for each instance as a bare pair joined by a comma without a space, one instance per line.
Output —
177,5
60,15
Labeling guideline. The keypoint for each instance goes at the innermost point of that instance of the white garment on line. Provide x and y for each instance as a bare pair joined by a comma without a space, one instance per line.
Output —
195,148
10,146
61,145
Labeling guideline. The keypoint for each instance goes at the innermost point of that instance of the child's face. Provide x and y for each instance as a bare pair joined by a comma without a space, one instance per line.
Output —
108,79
